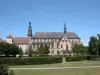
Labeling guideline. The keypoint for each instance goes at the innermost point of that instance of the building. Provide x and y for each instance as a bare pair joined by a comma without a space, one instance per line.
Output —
58,42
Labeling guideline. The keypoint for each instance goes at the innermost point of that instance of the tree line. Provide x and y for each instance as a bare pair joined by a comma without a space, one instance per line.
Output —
93,47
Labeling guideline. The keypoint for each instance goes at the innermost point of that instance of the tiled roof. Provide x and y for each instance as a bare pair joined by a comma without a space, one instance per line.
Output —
55,35
9,36
1,40
21,40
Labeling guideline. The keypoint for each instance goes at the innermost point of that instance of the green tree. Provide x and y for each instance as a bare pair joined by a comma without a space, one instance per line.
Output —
43,50
98,45
20,52
3,70
85,50
30,50
46,50
9,49
14,50
80,49
92,48
77,48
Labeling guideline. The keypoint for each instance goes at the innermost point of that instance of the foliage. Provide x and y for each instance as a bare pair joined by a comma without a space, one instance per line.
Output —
80,49
43,50
76,58
30,50
31,60
9,49
3,70
93,45
20,52
98,44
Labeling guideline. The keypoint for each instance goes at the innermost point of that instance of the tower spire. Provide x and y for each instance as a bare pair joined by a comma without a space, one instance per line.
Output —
29,30
65,28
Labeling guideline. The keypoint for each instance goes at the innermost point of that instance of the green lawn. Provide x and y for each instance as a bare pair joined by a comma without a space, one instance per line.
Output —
92,71
82,71
79,63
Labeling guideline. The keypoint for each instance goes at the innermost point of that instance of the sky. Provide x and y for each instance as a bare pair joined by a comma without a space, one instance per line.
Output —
80,16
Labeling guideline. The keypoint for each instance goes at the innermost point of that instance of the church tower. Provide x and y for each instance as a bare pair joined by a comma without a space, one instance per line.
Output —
65,29
9,39
29,30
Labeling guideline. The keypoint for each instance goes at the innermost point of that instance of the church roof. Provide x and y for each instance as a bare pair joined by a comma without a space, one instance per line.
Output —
71,35
1,40
21,40
9,36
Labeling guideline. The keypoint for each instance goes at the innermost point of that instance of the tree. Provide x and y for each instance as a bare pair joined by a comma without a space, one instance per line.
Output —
98,45
20,52
92,48
77,48
43,50
80,49
30,50
9,49
3,70
85,50
14,50
46,49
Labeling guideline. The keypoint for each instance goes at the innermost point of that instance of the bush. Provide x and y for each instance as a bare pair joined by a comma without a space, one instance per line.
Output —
76,58
3,70
31,60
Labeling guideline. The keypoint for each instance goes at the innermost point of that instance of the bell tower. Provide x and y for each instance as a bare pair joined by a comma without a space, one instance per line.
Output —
29,30
65,29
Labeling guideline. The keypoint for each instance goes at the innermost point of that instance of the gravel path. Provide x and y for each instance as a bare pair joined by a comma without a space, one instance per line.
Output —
54,68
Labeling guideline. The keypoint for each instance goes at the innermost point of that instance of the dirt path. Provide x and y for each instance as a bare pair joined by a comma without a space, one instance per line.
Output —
54,68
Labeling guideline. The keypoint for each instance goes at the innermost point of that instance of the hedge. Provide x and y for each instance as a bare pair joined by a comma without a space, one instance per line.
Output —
30,61
77,58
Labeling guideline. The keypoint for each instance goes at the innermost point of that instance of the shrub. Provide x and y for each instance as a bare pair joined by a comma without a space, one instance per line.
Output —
76,58
31,60
3,70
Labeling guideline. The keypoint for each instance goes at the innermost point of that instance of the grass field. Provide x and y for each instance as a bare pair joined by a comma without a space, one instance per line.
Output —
81,71
92,71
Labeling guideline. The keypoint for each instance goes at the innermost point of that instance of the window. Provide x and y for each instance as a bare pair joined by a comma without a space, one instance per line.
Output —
61,46
66,41
66,46
62,40
52,46
57,45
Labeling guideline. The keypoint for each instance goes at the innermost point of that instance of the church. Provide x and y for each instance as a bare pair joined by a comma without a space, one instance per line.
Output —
57,41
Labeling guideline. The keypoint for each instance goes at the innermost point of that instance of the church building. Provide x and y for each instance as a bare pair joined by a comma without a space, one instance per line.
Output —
58,42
